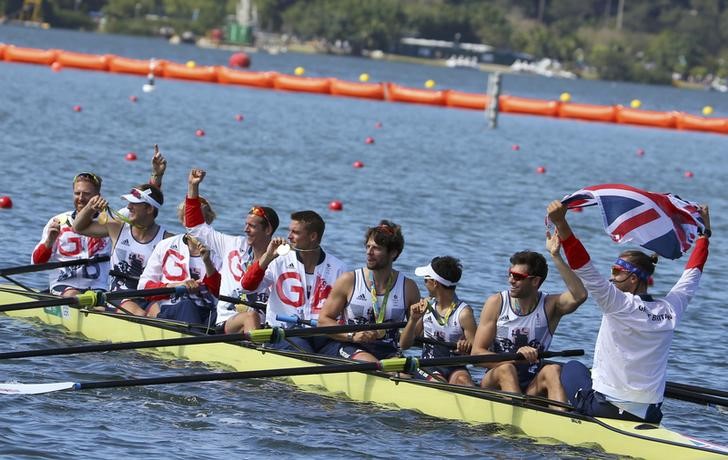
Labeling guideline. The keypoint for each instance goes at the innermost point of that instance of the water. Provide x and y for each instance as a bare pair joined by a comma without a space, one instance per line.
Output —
454,186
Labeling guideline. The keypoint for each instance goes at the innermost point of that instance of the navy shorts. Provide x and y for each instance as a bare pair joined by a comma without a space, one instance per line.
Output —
317,344
377,349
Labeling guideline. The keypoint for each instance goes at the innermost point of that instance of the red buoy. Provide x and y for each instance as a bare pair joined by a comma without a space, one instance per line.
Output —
369,140
515,147
640,152
358,164
56,67
541,170
689,174
133,98
77,108
6,202
336,205
378,124
239,60
239,117
131,156
199,133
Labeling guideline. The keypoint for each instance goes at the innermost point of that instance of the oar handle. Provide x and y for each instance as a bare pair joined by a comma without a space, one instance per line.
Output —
325,330
293,319
477,359
50,266
235,301
431,341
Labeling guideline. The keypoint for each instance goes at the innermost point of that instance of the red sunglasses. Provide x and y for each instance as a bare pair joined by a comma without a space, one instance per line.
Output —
519,276
260,212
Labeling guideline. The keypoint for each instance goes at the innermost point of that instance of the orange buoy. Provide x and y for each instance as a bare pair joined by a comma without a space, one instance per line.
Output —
541,170
77,108
6,202
369,140
689,174
336,205
56,66
515,147
133,98
199,133
131,156
239,60
239,117
640,152
358,164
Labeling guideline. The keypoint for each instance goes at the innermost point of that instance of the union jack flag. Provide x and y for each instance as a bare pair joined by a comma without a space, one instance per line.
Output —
660,222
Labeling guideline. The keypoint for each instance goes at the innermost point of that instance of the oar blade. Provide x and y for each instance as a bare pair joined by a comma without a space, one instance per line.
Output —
34,388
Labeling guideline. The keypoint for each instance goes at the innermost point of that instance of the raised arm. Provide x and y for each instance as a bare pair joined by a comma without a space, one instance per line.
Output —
159,166
86,225
575,295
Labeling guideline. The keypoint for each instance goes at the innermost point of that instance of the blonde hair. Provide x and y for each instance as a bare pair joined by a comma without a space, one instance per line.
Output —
207,211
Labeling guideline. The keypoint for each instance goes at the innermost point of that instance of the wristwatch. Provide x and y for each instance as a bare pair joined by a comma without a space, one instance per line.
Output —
350,337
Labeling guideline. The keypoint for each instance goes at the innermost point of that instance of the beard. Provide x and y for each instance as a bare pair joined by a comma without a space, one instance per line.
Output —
377,264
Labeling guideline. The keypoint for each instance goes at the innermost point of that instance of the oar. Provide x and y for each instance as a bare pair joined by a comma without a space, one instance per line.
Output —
257,336
93,298
697,389
440,343
408,365
50,266
698,398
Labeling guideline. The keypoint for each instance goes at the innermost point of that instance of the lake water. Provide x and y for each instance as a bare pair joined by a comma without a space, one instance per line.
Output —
455,187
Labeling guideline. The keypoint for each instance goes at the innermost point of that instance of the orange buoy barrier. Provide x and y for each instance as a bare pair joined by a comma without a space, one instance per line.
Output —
631,116
2,50
357,89
588,112
697,123
467,100
120,64
302,84
513,104
182,72
246,78
400,93
83,61
30,55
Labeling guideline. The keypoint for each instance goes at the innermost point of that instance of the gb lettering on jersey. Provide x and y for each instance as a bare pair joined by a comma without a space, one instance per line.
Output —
174,266
290,289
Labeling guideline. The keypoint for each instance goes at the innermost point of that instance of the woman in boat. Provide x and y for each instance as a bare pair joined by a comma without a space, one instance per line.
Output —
630,356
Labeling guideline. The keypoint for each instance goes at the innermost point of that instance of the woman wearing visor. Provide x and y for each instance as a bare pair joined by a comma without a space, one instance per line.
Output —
630,356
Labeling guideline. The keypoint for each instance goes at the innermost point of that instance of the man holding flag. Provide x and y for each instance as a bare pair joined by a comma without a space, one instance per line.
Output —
630,357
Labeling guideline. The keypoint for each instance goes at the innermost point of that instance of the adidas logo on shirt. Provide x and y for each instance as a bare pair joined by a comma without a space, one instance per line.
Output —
125,242
290,265
361,297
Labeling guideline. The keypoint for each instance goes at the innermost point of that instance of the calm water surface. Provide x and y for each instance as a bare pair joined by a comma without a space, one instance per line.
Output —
455,187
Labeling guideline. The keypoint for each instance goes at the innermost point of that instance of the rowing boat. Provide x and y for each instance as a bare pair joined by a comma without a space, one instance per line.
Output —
465,404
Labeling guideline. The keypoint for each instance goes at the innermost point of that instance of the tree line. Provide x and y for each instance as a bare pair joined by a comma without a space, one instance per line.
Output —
632,40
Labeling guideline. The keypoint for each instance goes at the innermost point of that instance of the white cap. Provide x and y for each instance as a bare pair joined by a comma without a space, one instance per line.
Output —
428,272
141,196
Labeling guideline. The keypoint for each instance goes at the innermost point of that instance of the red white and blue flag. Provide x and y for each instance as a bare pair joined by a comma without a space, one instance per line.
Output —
660,222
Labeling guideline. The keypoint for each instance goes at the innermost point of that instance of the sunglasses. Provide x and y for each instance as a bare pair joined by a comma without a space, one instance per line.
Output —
91,177
617,270
260,212
519,276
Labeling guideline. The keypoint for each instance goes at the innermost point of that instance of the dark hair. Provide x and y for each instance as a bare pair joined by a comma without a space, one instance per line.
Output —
536,263
155,193
272,216
386,234
639,259
449,268
312,221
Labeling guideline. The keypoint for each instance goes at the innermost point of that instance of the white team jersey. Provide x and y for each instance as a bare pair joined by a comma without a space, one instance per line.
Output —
451,331
130,257
516,330
69,246
632,347
170,262
361,309
291,294
236,256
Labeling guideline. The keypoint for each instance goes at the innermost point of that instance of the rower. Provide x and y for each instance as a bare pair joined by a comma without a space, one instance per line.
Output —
632,347
373,294
236,252
60,242
133,236
302,273
182,260
441,317
523,320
